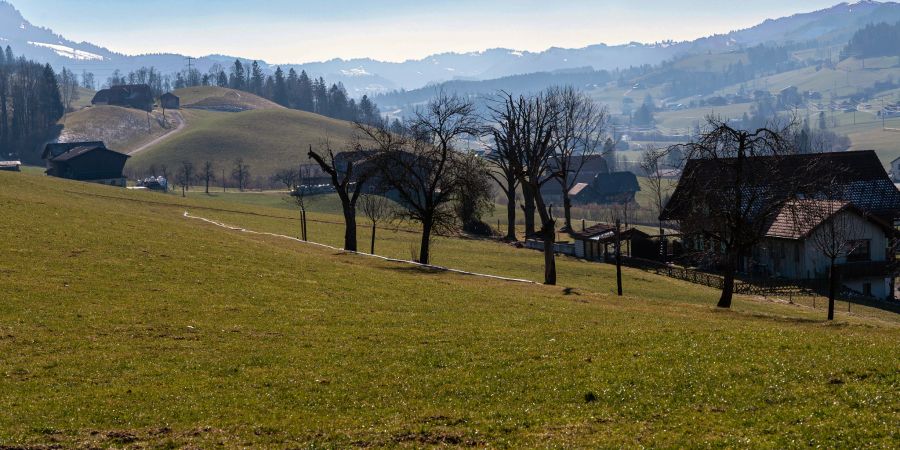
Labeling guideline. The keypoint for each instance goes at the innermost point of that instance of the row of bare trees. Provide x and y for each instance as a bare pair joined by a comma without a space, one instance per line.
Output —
535,140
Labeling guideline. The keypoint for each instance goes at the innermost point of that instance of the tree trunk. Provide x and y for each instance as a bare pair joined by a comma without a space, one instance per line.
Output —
349,228
372,251
528,208
511,211
728,282
832,289
426,241
618,258
548,233
567,209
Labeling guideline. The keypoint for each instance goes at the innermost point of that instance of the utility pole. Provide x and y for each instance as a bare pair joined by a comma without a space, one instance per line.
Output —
883,113
619,256
188,80
223,180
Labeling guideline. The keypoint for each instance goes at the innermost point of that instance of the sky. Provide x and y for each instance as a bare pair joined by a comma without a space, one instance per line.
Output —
297,31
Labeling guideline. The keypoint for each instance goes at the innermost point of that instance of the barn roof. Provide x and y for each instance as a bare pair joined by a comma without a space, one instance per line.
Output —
75,152
55,149
168,95
616,182
799,218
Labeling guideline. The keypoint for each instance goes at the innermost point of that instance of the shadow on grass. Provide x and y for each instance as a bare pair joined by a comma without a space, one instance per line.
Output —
418,270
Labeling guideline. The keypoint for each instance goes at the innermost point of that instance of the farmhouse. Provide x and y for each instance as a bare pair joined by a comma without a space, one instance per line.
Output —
590,166
85,161
138,96
10,166
867,197
169,101
604,189
791,247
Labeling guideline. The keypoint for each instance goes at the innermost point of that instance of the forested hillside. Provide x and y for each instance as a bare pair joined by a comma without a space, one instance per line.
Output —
30,106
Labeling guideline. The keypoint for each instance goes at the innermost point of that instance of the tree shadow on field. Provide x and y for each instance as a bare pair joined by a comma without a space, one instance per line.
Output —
421,270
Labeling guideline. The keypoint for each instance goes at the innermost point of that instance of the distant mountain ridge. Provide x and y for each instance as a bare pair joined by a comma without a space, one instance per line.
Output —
371,76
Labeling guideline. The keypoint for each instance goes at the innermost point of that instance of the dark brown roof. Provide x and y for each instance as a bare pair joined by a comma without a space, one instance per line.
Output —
56,149
592,231
78,151
860,174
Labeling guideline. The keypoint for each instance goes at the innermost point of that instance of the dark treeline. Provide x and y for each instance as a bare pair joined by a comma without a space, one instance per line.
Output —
30,105
874,41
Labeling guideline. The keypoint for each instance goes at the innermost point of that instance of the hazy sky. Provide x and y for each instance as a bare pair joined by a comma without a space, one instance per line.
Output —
285,31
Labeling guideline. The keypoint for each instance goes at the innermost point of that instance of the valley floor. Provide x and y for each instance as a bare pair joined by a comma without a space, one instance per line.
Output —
124,324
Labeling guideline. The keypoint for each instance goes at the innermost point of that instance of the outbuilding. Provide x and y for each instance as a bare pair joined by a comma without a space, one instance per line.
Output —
86,161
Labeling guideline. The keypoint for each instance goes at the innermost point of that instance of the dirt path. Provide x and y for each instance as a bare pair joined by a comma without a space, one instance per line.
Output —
177,117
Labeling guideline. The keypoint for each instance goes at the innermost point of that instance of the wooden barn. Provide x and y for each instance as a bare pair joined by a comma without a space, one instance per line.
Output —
169,101
85,161
597,243
138,96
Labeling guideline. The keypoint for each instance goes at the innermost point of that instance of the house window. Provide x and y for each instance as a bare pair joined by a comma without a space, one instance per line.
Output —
859,251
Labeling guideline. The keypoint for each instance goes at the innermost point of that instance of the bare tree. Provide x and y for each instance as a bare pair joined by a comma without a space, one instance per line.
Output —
652,163
377,208
578,135
286,177
420,165
733,199
348,181
501,157
68,87
208,174
164,172
185,176
474,197
530,122
240,173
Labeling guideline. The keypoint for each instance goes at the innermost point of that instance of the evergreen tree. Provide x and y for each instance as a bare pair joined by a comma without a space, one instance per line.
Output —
238,78
305,97
222,79
320,97
291,88
257,79
280,90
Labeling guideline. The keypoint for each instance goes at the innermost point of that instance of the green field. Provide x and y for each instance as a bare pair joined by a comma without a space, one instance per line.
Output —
123,324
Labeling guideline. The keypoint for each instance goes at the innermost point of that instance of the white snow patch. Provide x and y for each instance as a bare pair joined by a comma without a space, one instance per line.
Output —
69,52
450,69
516,53
22,26
357,72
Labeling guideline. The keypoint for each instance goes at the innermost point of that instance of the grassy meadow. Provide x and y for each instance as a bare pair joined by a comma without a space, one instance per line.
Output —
123,324
267,140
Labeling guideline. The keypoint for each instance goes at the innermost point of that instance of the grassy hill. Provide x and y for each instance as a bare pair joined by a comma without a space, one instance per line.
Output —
221,99
123,129
128,325
267,139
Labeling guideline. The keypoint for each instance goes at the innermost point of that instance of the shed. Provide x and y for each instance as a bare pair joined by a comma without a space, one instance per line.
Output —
169,101
86,161
594,243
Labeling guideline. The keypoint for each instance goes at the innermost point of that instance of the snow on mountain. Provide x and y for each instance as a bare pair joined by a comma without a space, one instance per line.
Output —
69,52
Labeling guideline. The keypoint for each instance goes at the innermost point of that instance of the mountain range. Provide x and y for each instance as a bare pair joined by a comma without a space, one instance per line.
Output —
831,25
